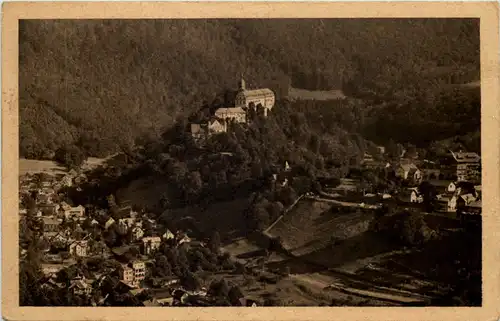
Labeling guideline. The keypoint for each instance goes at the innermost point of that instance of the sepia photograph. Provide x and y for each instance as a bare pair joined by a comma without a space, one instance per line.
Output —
250,162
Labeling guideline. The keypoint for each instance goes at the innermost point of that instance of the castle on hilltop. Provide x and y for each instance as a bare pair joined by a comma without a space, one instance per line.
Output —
244,100
247,97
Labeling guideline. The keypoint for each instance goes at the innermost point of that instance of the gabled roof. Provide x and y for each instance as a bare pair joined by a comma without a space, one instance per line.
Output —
257,92
464,157
408,167
225,110
49,220
81,243
151,238
468,198
198,128
476,204
212,121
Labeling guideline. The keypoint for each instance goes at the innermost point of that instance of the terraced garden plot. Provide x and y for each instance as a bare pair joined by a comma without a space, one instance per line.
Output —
311,225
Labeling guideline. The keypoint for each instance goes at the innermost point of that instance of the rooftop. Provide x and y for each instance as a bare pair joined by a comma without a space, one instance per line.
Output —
258,92
463,157
230,110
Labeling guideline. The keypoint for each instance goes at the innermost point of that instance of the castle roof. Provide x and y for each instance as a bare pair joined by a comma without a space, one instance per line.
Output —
257,92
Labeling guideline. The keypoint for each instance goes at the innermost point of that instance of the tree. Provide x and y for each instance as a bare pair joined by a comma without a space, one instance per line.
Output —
219,288
190,281
70,156
214,243
234,295
111,237
194,184
429,193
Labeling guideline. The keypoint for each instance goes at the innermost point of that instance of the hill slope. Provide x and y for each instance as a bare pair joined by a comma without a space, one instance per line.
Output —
108,83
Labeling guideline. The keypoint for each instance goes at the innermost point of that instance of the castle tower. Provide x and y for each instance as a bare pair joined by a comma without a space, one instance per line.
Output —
241,84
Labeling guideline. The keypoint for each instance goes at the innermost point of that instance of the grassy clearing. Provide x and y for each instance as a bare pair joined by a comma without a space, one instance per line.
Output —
224,217
50,167
144,192
39,166
304,94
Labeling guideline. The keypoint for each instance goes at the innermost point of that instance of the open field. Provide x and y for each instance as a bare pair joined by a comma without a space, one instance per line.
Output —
304,94
144,192
39,166
50,167
224,217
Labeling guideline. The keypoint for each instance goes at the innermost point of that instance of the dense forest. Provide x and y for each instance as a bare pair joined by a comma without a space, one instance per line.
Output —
110,84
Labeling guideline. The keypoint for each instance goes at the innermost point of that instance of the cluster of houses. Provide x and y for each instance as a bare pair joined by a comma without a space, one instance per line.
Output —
69,239
456,178
456,166
244,100
460,197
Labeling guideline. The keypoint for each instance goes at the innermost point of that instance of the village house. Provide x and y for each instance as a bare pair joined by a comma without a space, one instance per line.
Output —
468,166
50,268
137,233
151,244
48,209
245,97
452,187
80,178
216,126
75,212
370,162
126,274
408,171
232,113
66,181
199,133
168,235
162,297
478,191
81,286
44,197
430,170
50,224
109,223
133,273
79,248
184,239
416,197
411,195
60,239
472,208
52,284
452,203
46,183
443,186
124,224
466,199
462,188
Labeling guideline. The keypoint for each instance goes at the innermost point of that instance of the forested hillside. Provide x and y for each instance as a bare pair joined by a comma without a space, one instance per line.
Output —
111,83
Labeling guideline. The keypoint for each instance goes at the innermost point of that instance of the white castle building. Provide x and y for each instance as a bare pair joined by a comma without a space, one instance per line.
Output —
263,96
